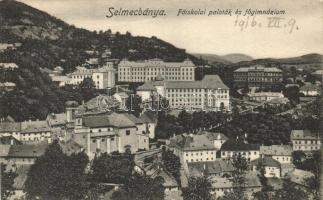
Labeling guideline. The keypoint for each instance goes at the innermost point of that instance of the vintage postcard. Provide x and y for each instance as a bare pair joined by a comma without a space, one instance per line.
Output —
167,99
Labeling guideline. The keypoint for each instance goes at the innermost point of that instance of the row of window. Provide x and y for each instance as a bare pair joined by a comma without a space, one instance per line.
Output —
306,142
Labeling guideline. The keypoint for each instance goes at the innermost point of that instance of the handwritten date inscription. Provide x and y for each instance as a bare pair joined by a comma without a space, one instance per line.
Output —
269,22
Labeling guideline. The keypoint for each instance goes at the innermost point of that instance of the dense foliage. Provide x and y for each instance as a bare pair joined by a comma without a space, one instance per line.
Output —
171,163
57,176
199,188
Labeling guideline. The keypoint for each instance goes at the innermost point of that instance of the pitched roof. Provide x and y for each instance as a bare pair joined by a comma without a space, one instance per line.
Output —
299,176
22,172
276,150
8,139
148,86
211,167
251,180
303,134
10,127
208,82
27,150
56,119
35,126
70,146
133,118
238,145
266,161
192,142
108,120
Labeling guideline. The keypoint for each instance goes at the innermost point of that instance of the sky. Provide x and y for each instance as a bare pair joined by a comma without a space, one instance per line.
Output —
215,34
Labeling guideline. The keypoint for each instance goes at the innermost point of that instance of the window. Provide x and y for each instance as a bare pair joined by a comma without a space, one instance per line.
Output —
103,140
127,132
93,141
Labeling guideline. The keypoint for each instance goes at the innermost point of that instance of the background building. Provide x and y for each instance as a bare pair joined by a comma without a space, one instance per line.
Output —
257,76
148,70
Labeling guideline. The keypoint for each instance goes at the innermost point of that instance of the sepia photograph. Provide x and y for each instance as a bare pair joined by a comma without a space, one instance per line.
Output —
161,100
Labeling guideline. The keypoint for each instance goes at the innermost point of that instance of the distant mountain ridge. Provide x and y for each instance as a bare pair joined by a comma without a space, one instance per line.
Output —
225,59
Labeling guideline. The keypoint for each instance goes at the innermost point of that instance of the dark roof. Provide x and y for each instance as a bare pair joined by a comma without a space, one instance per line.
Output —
70,146
303,134
208,82
266,161
10,127
211,167
238,145
27,150
108,120
192,142
134,119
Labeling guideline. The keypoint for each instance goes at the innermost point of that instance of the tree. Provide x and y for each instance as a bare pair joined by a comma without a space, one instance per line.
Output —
240,165
87,87
290,191
185,120
7,180
141,187
172,163
199,188
57,176
112,168
133,104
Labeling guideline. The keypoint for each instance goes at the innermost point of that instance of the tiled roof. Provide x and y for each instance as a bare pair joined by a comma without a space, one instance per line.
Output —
27,150
238,145
266,161
70,146
251,180
148,86
10,127
192,142
56,119
108,120
299,176
208,82
133,118
8,139
303,134
35,126
211,167
276,150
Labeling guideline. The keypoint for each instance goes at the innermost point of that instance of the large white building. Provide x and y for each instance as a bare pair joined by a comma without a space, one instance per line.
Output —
103,77
305,140
208,94
148,70
201,147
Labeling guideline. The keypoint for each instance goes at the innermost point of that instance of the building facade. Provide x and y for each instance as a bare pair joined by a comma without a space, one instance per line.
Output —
208,94
237,147
305,140
257,76
148,70
200,147
103,77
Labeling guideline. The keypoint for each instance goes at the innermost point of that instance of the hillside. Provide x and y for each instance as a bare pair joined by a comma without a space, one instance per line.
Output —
225,59
49,42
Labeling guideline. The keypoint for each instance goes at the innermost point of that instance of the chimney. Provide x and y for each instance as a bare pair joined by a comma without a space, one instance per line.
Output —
11,141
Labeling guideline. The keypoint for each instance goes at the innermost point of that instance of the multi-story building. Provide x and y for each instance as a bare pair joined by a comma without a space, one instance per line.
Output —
148,70
310,90
257,76
208,94
238,147
272,168
264,96
109,132
103,77
281,153
199,147
305,140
